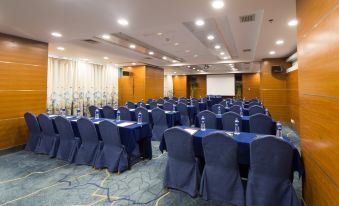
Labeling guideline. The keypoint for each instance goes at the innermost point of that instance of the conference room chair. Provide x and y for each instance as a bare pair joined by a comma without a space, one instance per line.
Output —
160,101
210,119
223,103
221,179
261,124
90,144
256,110
50,139
238,103
125,114
34,131
175,98
235,109
196,105
150,100
172,101
144,113
69,144
166,98
130,105
184,117
184,101
159,123
141,104
182,169
228,119
108,112
153,105
168,106
113,155
269,176
215,109
92,109
251,104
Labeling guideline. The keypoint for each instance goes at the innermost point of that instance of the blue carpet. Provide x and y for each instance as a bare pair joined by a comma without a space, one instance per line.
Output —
29,179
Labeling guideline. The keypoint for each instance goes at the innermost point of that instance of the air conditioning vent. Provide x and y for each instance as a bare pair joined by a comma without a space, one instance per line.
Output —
246,50
247,18
91,41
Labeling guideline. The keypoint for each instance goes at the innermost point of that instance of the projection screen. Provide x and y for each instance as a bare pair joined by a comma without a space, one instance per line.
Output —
221,85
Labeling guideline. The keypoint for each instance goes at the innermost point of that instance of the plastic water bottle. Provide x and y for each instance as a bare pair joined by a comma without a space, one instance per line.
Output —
279,130
118,116
49,112
139,118
219,110
209,97
203,125
173,107
236,126
78,112
266,112
241,112
96,114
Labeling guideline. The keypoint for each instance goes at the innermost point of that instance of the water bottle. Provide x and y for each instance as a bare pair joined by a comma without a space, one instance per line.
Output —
173,107
96,114
139,118
266,112
209,97
227,108
49,112
241,112
202,100
236,126
219,110
118,115
78,112
279,130
203,125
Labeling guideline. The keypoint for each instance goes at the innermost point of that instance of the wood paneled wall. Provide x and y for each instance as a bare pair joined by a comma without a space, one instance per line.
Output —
318,49
23,86
200,91
273,89
293,98
154,82
180,88
251,85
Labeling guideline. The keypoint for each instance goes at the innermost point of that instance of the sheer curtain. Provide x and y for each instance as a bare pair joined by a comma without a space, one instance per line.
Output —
73,84
168,86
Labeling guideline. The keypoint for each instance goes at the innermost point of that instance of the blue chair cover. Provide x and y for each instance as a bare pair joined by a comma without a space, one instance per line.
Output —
153,105
108,112
166,98
221,178
196,105
268,180
125,114
92,109
238,103
182,169
161,101
256,110
150,100
160,123
50,139
215,109
69,144
223,103
184,117
130,105
210,119
235,109
168,106
228,121
144,112
175,98
90,145
261,124
113,154
34,132
253,103
171,101
184,101
141,104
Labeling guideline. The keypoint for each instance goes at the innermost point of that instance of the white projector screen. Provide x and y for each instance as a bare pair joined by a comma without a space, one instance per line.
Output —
221,85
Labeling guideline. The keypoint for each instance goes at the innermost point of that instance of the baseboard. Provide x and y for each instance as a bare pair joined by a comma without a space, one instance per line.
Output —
12,149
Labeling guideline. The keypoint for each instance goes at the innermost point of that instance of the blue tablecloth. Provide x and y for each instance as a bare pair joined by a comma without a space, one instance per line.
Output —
244,139
245,123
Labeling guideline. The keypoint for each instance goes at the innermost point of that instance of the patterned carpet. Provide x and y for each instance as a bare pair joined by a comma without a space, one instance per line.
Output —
28,179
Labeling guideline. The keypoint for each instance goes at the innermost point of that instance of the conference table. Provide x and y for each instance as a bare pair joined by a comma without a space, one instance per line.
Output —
132,134
243,139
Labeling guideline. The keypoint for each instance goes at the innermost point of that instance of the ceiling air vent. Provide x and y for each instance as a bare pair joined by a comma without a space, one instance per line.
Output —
246,50
247,18
91,41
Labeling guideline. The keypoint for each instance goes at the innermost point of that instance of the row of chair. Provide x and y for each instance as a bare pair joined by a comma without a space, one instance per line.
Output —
268,181
61,142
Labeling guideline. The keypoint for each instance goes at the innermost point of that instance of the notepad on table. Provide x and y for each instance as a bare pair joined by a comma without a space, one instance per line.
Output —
52,115
230,133
125,124
191,131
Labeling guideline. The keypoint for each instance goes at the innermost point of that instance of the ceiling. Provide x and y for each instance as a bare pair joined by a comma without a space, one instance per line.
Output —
163,25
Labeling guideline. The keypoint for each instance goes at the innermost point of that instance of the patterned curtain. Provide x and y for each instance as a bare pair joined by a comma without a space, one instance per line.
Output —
78,84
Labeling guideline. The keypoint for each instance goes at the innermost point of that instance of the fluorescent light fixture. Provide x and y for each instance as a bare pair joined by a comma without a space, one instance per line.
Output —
151,53
279,42
132,46
61,48
210,37
218,4
56,34
217,46
123,22
293,22
106,36
272,52
199,22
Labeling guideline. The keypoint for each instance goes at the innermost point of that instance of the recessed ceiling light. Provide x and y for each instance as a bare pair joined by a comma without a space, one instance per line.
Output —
151,53
225,57
279,42
61,48
195,55
194,68
134,63
159,33
187,51
132,46
176,44
174,61
293,22
199,22
84,59
129,67
123,22
164,57
222,53
272,52
217,46
56,34
218,4
106,36
210,37
188,66
198,70
106,58
175,72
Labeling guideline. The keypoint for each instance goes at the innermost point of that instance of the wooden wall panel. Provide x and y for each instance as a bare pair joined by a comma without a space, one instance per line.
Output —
125,90
154,83
180,86
23,86
293,98
200,91
139,83
273,89
251,86
318,49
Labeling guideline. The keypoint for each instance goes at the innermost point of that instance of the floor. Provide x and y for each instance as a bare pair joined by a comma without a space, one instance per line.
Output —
28,179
